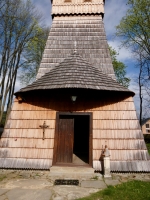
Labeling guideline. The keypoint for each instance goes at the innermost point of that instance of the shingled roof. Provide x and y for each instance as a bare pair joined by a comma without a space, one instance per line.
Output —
89,35
75,72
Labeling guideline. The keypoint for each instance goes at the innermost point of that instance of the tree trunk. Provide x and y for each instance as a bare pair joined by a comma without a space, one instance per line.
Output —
140,92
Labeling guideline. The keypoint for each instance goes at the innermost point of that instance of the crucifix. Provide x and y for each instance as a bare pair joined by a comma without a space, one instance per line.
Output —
44,126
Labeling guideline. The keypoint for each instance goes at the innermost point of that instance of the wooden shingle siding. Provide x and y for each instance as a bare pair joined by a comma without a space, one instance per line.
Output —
114,123
22,144
27,143
88,33
31,124
130,166
112,115
25,163
117,134
28,153
116,144
28,133
34,114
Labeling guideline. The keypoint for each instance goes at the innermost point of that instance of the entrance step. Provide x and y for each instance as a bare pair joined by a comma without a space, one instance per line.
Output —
75,170
85,173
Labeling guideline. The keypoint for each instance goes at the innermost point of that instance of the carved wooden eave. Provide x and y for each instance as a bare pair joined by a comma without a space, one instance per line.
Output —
82,8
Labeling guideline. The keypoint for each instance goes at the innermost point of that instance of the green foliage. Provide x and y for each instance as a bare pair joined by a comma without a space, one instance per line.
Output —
2,177
148,146
2,124
133,190
33,56
119,69
134,28
94,178
147,141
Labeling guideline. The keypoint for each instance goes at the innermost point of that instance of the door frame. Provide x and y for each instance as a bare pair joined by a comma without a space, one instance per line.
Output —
90,114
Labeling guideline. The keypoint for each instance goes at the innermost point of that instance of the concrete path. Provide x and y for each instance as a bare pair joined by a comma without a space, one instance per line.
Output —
39,185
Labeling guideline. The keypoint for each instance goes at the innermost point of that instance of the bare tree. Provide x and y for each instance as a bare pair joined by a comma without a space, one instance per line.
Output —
134,30
143,83
134,27
18,26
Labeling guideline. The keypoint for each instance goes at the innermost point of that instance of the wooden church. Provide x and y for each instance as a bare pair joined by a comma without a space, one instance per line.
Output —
75,107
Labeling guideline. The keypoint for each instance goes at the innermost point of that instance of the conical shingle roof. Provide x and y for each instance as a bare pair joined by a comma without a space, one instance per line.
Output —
89,35
75,72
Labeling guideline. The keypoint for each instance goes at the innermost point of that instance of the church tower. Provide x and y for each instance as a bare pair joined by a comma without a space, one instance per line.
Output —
77,23
75,107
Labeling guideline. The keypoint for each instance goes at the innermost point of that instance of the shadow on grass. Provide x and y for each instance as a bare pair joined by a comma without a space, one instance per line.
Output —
147,141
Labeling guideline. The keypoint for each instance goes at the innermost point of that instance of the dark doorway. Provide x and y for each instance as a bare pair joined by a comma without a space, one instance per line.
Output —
81,140
73,139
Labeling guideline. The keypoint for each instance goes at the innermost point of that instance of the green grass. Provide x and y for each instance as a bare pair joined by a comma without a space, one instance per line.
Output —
94,178
147,141
2,177
148,147
132,190
3,119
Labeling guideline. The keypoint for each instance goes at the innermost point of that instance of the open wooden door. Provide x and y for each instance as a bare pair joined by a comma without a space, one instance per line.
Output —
73,139
65,140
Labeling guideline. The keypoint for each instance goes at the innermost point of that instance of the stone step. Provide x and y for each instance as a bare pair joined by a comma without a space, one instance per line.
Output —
60,172
74,170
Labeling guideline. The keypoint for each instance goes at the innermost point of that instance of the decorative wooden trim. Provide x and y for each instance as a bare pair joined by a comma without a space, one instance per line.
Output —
90,114
55,139
83,8
91,140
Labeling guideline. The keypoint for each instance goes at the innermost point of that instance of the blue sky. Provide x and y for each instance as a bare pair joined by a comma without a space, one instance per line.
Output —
114,11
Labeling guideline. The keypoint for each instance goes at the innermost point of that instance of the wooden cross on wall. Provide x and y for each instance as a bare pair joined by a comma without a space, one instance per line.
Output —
44,126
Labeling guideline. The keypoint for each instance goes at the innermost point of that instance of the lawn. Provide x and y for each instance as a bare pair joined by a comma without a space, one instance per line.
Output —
148,147
147,141
132,190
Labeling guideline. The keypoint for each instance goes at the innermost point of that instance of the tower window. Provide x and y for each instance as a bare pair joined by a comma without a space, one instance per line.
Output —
147,125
